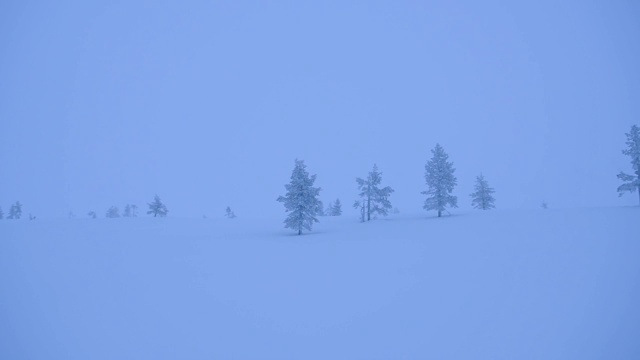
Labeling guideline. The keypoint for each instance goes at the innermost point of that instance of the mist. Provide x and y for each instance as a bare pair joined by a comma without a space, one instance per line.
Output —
208,104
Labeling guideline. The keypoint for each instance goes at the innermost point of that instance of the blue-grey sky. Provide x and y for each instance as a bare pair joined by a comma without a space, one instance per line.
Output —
208,103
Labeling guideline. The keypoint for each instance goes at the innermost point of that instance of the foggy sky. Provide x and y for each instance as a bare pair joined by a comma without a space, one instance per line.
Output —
208,104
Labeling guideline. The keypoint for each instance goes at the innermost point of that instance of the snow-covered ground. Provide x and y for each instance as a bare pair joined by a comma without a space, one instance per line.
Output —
525,284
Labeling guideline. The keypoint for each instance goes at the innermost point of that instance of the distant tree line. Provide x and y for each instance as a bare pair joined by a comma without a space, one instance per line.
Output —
303,206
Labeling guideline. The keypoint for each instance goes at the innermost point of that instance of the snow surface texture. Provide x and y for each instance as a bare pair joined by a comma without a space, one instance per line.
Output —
543,284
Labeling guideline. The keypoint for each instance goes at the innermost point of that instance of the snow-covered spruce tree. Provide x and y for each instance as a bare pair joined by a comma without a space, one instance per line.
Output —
229,213
157,208
301,199
336,208
376,200
113,212
482,198
631,182
440,181
15,211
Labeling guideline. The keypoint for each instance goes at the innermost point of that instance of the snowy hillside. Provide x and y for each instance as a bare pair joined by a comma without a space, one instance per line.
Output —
554,284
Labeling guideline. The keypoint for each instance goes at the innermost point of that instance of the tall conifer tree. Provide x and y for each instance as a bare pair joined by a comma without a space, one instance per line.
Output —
301,200
440,182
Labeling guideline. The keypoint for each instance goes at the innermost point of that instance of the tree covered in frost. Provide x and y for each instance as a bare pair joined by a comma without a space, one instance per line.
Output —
127,211
113,212
157,208
374,198
334,208
440,182
482,198
301,200
15,211
631,182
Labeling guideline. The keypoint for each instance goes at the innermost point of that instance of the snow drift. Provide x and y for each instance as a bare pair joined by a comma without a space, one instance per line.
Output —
554,284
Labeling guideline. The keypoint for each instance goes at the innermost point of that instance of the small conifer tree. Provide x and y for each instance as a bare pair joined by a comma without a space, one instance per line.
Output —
336,208
229,213
15,211
113,212
482,198
157,208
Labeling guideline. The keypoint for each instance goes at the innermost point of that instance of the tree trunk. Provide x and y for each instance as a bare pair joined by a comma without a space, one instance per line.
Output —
439,213
299,231
368,208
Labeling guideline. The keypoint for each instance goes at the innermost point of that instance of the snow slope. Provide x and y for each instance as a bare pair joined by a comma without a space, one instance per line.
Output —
554,284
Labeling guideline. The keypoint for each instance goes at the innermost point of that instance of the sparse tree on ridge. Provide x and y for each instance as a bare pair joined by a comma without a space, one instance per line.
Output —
92,214
113,212
229,213
301,199
15,211
157,208
631,182
482,198
375,199
440,181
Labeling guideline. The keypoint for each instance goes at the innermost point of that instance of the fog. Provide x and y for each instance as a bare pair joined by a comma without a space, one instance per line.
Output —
208,104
